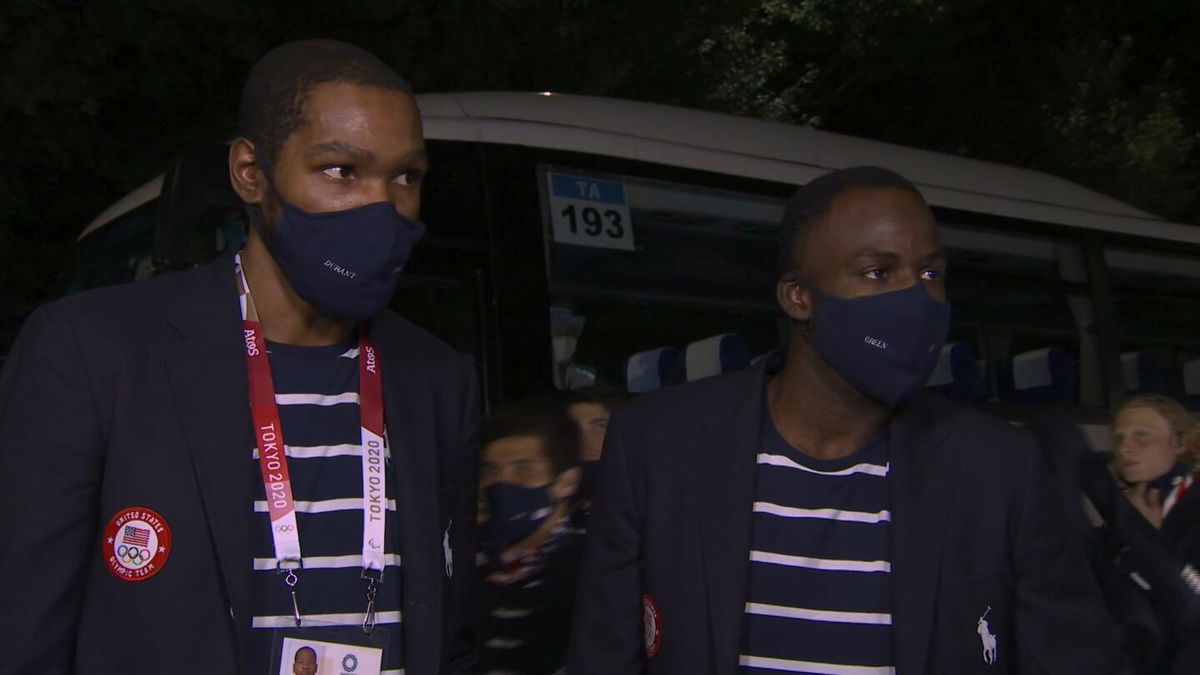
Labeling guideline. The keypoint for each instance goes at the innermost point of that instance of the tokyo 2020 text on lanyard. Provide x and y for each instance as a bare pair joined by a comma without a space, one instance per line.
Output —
273,462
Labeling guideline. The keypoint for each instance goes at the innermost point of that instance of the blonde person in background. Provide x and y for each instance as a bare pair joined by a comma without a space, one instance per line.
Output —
1156,444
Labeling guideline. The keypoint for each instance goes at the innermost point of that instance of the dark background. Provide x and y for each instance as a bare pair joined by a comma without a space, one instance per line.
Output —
98,97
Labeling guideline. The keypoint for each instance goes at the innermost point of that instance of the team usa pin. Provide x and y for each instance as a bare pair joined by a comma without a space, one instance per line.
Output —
136,544
651,626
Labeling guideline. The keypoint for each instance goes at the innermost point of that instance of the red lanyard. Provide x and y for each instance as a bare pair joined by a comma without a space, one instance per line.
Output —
273,462
1181,488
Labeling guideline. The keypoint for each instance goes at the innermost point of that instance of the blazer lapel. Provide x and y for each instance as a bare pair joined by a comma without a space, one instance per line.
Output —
207,373
724,494
922,479
410,417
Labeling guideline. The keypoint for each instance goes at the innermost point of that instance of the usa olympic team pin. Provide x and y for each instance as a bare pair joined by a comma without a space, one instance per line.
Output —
136,543
651,626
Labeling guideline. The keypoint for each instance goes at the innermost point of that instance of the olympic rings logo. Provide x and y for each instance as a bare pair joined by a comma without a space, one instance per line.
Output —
284,528
132,554
350,663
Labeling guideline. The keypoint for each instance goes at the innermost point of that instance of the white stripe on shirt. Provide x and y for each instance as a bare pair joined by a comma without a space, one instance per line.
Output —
316,399
352,619
821,563
823,615
328,562
324,505
824,514
812,667
784,462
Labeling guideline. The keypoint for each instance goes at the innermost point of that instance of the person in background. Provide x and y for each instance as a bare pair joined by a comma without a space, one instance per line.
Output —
1156,443
565,328
590,408
529,476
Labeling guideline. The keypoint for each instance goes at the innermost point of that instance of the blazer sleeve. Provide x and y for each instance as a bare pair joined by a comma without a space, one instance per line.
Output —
51,452
1061,621
606,637
461,616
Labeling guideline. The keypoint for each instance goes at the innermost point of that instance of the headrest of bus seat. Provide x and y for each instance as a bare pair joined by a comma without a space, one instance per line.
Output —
1142,371
1191,378
956,374
714,355
1047,375
650,369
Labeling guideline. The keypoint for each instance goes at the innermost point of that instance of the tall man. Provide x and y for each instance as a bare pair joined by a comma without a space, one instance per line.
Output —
205,463
821,513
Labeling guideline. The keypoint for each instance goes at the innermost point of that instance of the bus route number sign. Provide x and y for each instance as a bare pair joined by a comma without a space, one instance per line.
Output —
589,212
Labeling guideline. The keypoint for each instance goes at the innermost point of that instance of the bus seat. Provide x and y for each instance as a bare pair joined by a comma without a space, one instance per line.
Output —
714,355
957,375
1142,371
1191,382
650,369
1047,375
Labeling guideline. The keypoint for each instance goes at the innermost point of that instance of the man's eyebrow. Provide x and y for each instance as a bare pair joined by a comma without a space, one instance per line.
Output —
340,148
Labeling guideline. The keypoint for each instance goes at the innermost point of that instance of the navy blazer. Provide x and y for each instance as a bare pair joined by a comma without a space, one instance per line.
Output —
136,395
975,524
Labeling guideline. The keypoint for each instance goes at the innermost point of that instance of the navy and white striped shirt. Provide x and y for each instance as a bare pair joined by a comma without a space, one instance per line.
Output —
316,390
819,592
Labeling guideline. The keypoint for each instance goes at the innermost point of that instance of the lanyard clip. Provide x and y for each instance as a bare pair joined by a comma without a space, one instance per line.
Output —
373,578
288,567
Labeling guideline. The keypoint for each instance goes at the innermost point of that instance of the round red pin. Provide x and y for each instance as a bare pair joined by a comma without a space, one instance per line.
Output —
136,544
651,626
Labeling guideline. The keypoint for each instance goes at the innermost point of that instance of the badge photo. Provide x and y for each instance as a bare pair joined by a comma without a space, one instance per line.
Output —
651,626
136,544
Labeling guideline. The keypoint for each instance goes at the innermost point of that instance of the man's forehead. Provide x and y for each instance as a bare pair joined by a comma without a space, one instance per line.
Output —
336,113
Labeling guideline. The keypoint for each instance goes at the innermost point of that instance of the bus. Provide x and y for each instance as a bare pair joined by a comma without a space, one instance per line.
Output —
646,233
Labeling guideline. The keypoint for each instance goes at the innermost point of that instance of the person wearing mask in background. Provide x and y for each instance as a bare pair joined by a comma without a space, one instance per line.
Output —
258,448
1156,444
821,511
590,408
529,475
565,329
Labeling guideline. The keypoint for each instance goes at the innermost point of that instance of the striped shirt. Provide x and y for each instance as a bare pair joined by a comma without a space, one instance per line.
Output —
316,390
819,591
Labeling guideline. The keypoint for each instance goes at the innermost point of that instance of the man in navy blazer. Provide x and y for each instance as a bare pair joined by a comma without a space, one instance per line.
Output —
132,454
821,512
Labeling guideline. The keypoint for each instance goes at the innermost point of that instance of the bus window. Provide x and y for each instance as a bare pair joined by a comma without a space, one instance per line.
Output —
1021,301
1156,295
648,264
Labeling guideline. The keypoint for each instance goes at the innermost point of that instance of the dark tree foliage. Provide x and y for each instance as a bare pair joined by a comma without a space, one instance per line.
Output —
97,96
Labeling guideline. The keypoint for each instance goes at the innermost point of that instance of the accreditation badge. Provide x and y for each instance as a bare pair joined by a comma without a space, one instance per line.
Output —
342,651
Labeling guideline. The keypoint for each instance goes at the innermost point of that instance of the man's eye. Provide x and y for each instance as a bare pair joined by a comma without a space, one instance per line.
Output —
932,274
410,177
877,274
339,172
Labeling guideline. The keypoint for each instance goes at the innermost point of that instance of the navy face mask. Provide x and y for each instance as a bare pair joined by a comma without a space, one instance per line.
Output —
516,512
885,345
344,263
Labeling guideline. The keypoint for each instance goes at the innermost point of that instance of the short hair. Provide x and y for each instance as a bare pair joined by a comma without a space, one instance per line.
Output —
272,105
604,395
1182,422
543,418
305,648
810,203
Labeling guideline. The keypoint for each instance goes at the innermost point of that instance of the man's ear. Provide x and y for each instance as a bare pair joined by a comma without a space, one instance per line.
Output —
246,175
566,484
795,298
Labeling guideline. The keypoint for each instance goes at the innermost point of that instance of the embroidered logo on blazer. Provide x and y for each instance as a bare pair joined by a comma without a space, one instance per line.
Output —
651,626
136,544
986,636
